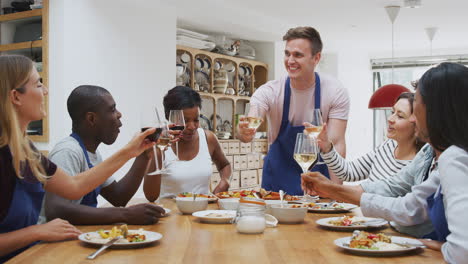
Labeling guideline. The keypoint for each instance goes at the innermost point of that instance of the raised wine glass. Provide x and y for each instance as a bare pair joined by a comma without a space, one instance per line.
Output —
306,151
161,123
147,121
177,122
316,126
253,115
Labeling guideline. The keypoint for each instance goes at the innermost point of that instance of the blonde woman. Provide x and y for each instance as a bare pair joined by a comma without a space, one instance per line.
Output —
25,173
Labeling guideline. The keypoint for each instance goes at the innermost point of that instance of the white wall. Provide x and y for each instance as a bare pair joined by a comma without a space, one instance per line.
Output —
128,47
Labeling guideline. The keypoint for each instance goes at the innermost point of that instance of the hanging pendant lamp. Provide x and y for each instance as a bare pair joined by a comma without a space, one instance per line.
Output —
385,96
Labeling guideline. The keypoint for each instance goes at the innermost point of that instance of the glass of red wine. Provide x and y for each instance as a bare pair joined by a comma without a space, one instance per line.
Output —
177,122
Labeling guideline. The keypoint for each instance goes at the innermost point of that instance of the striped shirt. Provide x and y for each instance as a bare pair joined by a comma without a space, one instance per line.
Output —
375,165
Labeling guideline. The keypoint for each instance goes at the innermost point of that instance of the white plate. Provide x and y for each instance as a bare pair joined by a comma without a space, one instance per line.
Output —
344,243
346,208
368,223
94,238
227,217
189,33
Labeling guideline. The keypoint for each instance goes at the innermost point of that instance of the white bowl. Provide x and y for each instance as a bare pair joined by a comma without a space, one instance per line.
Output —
187,205
269,203
289,215
228,203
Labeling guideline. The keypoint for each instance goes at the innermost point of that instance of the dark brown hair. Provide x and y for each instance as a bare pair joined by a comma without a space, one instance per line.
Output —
308,33
410,97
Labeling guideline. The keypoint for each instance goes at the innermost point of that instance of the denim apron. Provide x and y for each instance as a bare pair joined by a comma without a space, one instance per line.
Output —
435,203
280,170
89,199
24,210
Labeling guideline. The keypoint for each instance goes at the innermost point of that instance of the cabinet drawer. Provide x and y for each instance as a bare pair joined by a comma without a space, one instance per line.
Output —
252,161
237,162
244,179
225,146
245,148
243,160
235,180
233,148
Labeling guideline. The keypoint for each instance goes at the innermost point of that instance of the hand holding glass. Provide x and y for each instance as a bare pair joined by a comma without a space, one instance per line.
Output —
306,152
316,124
177,122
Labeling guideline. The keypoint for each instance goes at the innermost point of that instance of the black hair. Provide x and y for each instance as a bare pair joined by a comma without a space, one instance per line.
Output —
179,98
444,92
83,99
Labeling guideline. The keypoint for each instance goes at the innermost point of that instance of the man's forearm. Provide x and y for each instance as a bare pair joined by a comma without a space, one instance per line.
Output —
346,193
78,214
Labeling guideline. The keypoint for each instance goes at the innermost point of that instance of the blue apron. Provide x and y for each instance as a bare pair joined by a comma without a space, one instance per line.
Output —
24,210
89,199
280,170
437,216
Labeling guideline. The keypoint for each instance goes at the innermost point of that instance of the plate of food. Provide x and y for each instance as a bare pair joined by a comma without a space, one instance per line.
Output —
262,194
330,207
211,198
348,223
364,243
130,238
216,216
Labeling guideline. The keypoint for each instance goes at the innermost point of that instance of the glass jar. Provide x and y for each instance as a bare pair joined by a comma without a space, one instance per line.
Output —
251,216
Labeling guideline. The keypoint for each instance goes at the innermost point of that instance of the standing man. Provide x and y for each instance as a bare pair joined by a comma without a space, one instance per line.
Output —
288,103
96,120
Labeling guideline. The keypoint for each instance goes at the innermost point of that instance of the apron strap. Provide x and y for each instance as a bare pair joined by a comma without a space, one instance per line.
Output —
85,152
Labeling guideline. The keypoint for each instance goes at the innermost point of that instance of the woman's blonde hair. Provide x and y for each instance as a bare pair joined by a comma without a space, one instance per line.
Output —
14,74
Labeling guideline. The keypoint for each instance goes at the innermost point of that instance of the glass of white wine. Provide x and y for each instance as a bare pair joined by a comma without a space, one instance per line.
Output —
316,127
306,152
316,124
254,116
164,141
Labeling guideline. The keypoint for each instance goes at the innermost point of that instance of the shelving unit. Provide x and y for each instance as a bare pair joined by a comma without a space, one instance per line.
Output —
245,158
8,24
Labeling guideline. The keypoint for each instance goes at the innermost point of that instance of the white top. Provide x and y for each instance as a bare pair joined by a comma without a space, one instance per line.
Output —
334,102
187,175
451,178
378,164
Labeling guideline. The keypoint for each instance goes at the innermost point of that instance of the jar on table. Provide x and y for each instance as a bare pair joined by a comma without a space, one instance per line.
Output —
251,216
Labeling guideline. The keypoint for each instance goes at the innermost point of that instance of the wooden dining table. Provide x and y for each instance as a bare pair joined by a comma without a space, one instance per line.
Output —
187,240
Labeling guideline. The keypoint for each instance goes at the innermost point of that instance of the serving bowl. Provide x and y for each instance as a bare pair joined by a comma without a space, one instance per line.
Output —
269,203
288,214
188,205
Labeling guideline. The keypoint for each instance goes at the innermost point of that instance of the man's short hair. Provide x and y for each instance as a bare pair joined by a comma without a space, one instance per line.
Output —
308,33
83,99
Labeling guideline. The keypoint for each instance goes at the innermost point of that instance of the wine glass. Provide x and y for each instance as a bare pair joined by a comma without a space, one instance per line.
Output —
160,123
163,142
306,152
315,128
316,124
254,115
176,122
147,121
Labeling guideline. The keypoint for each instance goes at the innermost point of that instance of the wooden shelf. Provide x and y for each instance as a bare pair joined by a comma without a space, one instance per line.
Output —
21,45
21,15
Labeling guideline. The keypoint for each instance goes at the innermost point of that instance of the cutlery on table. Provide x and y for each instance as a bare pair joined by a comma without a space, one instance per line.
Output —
106,245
